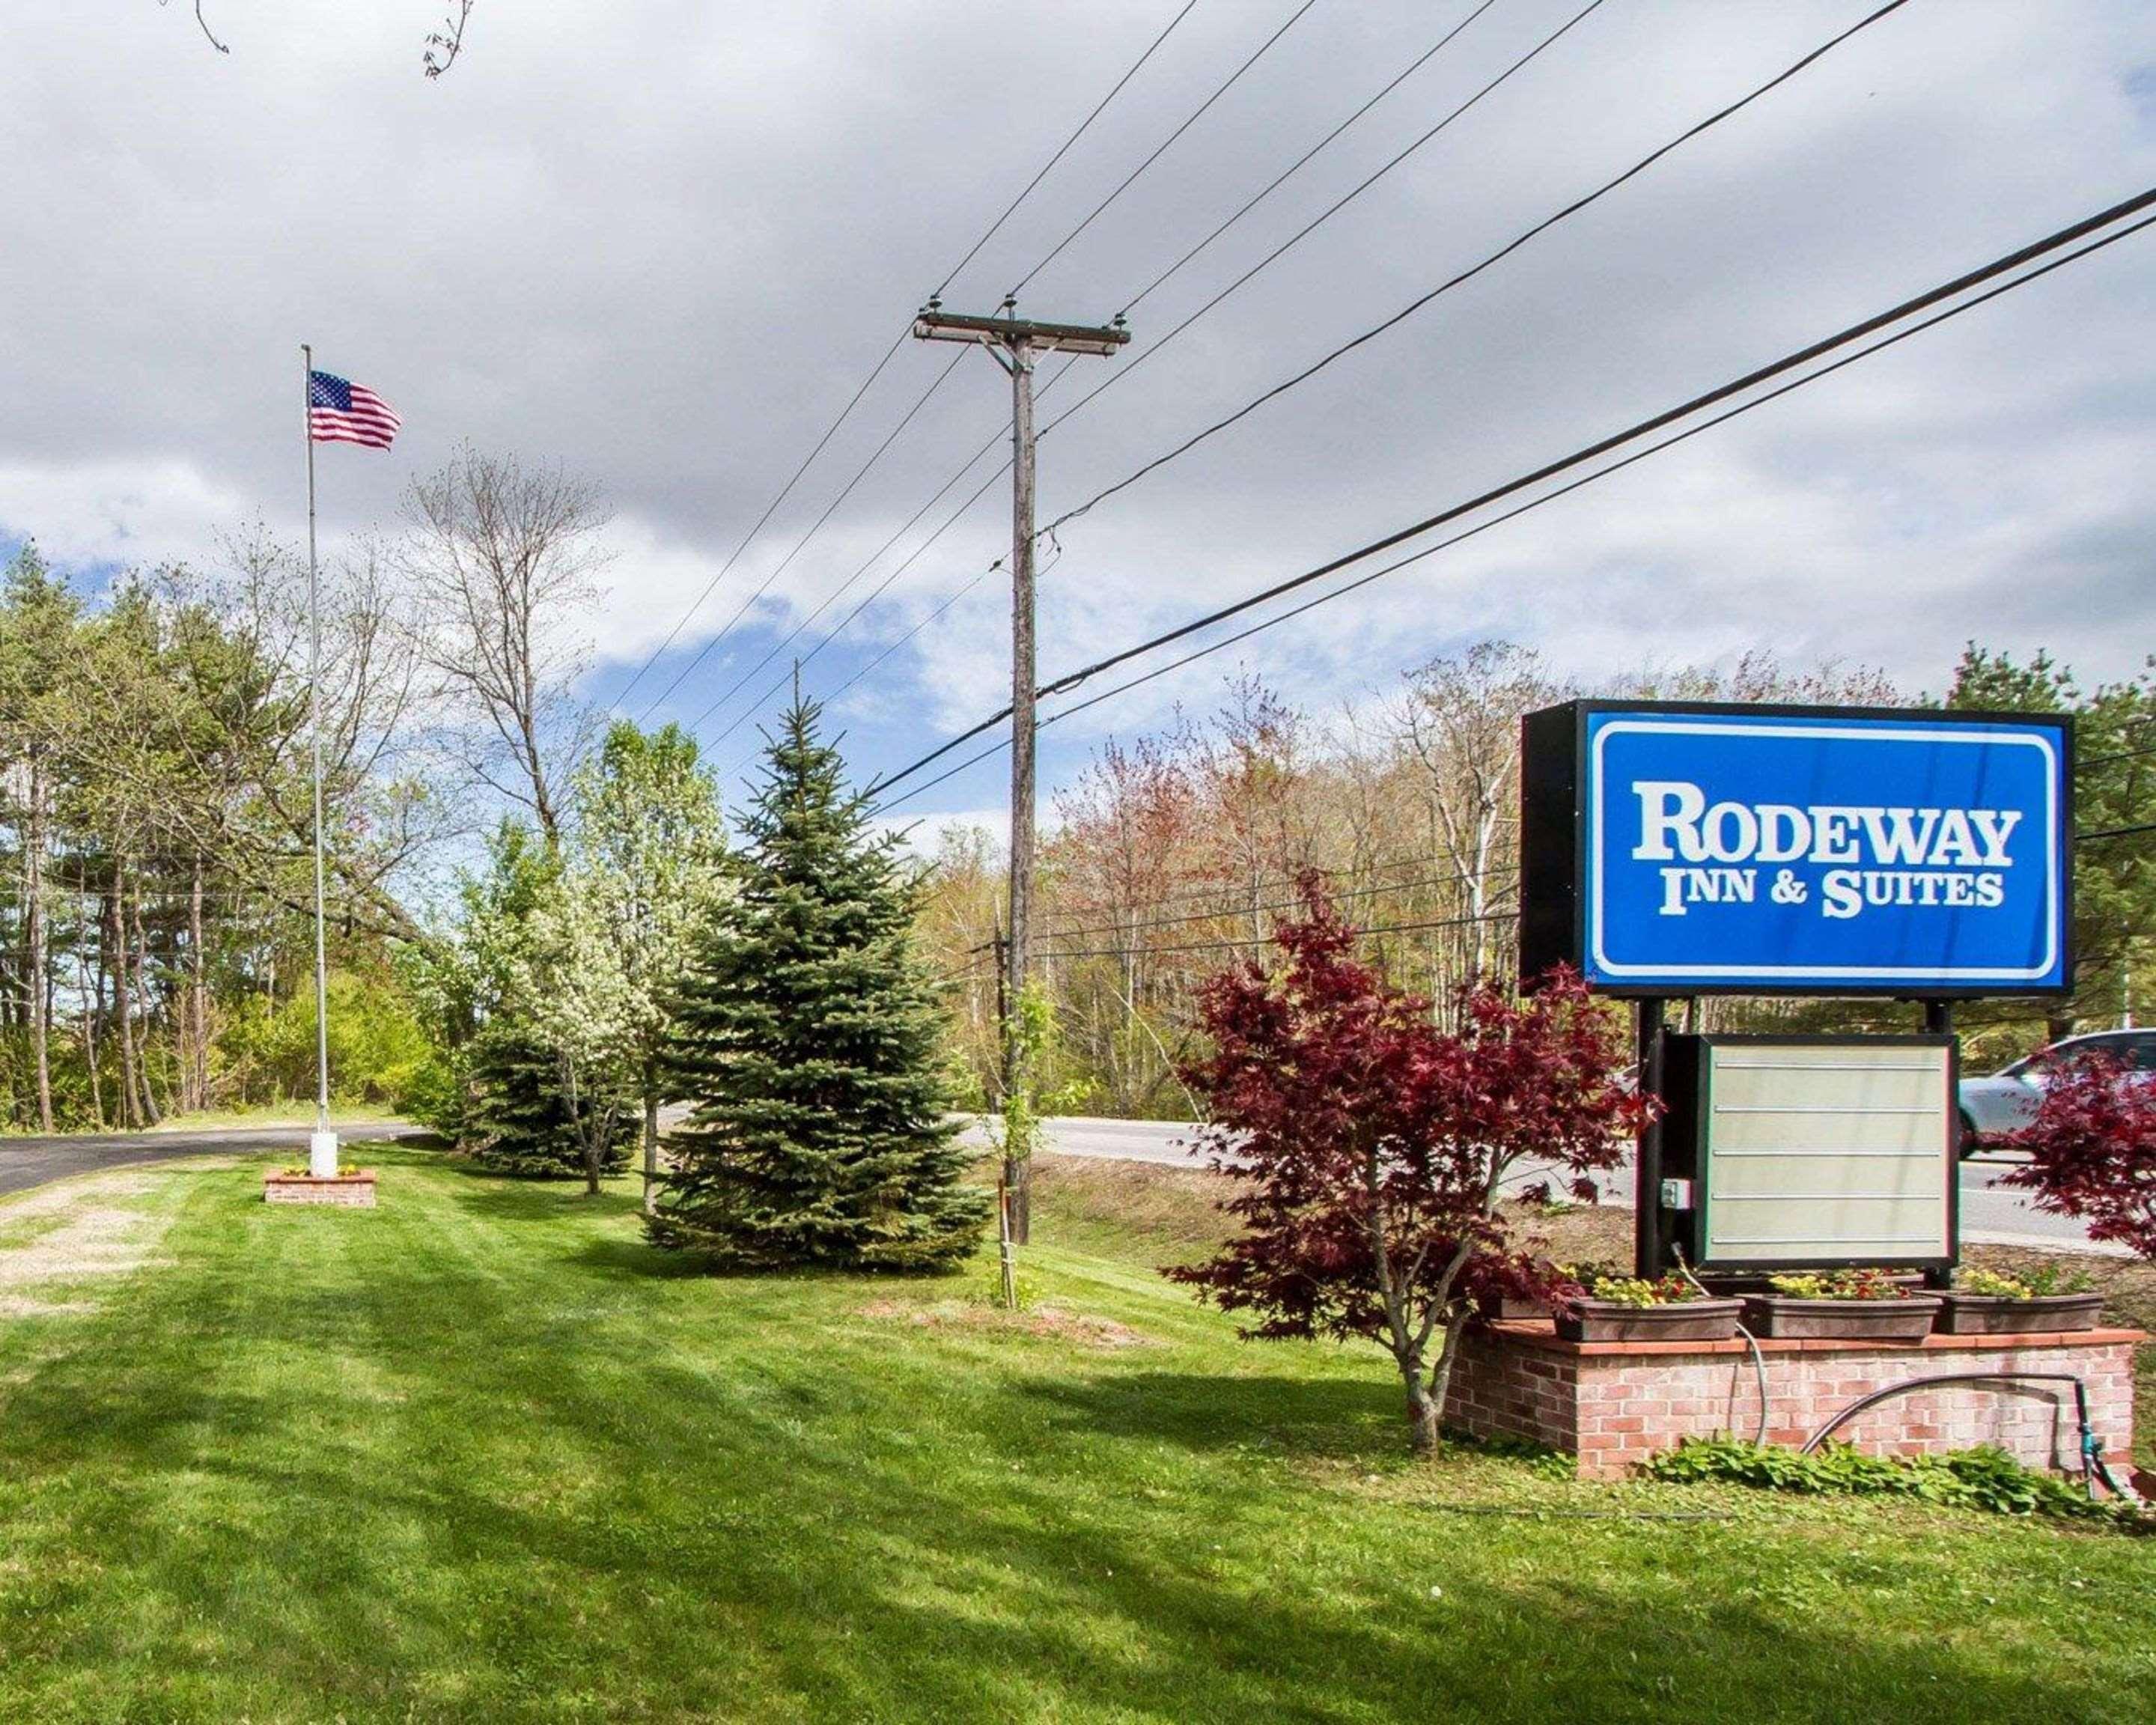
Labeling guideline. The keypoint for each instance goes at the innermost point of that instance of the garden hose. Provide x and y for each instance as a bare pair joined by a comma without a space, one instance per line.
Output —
2092,1447
1759,1357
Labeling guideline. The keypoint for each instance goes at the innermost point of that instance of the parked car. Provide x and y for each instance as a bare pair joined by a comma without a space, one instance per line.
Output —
1993,1107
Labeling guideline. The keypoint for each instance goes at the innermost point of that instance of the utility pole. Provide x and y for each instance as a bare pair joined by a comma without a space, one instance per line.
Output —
1015,343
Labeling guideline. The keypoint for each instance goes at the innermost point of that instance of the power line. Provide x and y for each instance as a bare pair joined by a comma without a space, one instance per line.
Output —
1064,148
882,587
2111,760
2146,826
2054,241
1316,222
1182,895
1265,263
1162,148
784,491
801,544
1304,160
1355,191
1217,946
875,371
1202,311
1214,914
1417,304
1588,479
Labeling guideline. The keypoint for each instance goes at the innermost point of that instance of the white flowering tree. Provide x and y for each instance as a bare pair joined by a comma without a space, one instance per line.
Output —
646,870
571,989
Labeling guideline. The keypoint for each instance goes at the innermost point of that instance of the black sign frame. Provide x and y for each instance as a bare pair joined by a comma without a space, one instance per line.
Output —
1553,837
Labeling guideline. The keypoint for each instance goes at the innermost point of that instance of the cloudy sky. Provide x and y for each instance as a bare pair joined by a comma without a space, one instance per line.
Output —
661,242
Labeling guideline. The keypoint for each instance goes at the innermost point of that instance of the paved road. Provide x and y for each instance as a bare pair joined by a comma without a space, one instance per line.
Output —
31,1161
1989,1214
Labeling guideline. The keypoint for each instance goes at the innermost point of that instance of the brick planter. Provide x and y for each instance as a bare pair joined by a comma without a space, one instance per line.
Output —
353,1190
1615,1403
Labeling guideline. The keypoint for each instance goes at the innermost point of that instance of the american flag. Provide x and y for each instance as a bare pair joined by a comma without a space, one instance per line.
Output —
341,412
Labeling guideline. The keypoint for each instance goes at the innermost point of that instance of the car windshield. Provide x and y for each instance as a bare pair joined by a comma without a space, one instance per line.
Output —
2047,1060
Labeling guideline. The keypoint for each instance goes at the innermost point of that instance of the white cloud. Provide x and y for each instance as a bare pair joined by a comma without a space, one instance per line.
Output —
661,243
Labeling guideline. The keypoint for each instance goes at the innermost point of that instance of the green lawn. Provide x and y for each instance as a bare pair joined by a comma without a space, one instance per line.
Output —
481,1455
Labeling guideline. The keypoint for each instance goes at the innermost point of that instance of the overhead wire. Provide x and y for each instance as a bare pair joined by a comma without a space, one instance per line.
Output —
780,497
815,528
1215,913
1325,215
1364,580
1308,156
1131,179
1253,941
1793,70
1272,257
1273,883
1263,264
1064,148
899,341
1161,149
1856,333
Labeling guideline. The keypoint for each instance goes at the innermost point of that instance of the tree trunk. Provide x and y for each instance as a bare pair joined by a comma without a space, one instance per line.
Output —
589,1142
1017,1181
651,1137
198,1087
112,949
1440,1374
151,1114
1422,1410
34,914
93,1013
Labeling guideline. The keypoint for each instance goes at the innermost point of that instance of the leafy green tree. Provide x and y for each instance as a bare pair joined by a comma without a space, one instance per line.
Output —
37,624
2114,909
806,1039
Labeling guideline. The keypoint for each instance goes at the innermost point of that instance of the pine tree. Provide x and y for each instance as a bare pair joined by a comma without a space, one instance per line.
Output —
808,1042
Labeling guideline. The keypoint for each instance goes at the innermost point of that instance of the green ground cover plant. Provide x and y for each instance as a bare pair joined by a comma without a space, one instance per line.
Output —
1983,1478
485,1453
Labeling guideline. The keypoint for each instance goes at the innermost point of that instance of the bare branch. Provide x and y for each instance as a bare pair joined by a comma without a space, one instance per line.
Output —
444,45
210,35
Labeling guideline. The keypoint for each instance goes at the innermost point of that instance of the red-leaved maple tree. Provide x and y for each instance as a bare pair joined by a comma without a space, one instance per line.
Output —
1376,1145
2093,1152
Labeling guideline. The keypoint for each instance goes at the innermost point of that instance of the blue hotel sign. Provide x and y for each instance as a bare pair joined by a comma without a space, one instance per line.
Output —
1681,849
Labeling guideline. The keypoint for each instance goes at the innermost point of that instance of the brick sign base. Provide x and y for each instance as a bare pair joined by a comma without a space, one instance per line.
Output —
1615,1403
354,1190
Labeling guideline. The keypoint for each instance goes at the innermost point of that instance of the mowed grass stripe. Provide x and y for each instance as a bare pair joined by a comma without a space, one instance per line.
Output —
482,1453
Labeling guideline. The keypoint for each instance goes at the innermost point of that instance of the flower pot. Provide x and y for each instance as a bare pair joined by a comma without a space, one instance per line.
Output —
1786,1316
1509,1308
2003,1315
1687,1321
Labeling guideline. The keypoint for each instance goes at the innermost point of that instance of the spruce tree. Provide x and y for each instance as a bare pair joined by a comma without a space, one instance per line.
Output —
807,1040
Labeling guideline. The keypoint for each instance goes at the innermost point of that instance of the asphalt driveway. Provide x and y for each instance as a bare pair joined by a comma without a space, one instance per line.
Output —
32,1162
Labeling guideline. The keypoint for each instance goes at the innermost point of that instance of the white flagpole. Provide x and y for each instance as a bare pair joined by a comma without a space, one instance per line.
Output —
322,1143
